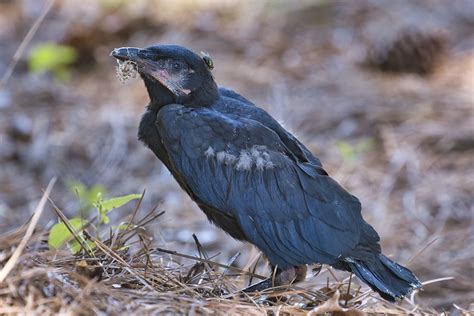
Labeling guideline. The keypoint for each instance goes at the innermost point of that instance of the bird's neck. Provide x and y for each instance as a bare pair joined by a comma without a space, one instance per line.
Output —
159,96
205,96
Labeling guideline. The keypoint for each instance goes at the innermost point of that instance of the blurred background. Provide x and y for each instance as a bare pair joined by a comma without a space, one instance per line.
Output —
381,91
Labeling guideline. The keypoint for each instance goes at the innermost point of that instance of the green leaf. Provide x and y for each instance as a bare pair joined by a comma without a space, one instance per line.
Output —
53,58
108,205
346,150
59,234
105,219
77,188
95,193
125,247
87,196
353,152
124,226
112,4
75,246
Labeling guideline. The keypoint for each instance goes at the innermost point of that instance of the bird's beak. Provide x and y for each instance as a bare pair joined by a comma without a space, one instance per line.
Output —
126,53
146,66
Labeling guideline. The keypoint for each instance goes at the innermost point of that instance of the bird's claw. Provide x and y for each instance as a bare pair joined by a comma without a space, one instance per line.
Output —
258,287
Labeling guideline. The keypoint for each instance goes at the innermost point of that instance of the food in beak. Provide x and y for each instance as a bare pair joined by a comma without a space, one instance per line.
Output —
126,70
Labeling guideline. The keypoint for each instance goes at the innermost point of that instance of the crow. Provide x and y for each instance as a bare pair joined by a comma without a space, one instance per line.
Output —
251,177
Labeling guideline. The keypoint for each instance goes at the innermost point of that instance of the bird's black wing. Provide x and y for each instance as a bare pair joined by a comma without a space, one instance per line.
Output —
236,105
242,168
228,93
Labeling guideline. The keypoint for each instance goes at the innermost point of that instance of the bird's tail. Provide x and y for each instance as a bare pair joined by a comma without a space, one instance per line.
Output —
384,276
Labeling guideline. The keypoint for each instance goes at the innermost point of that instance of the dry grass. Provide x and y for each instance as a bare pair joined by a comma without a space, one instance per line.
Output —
127,274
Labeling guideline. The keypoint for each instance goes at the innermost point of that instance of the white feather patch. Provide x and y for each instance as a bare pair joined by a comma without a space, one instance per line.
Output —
257,156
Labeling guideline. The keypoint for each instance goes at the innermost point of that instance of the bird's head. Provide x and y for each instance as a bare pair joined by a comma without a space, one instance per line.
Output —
172,74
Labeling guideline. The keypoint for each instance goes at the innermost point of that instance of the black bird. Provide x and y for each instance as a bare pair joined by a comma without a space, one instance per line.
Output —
252,178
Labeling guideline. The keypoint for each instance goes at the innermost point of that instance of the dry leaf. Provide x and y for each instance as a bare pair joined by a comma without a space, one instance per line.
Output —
332,306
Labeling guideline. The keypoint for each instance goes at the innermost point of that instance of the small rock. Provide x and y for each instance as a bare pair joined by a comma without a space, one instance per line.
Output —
5,99
411,51
20,128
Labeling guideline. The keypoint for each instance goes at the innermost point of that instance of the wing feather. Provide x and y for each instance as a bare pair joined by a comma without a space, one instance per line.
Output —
293,215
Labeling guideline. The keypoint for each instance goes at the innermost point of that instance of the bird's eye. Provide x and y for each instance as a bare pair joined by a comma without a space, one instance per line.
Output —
177,66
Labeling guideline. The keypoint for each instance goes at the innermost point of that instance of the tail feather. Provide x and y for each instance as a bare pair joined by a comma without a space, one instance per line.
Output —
384,276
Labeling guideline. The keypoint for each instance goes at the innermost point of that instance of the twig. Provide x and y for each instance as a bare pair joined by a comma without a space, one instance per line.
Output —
333,275
419,252
34,220
19,51
135,211
115,236
139,225
146,253
254,269
200,248
274,275
437,280
75,233
230,263
172,252
112,254
348,290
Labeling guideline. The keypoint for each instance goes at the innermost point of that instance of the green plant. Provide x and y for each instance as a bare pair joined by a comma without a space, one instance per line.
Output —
69,231
87,196
104,207
59,234
352,152
53,58
112,4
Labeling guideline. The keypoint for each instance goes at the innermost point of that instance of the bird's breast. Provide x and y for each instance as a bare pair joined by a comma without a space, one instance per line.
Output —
150,136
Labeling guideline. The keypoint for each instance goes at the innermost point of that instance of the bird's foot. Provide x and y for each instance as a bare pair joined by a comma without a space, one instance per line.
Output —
281,277
260,286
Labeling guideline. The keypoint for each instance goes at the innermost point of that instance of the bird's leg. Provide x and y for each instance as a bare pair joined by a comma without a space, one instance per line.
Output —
279,277
260,286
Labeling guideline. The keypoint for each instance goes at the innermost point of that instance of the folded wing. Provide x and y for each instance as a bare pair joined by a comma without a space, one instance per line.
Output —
290,210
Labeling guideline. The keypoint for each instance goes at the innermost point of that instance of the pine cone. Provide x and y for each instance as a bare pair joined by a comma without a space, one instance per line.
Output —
411,51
